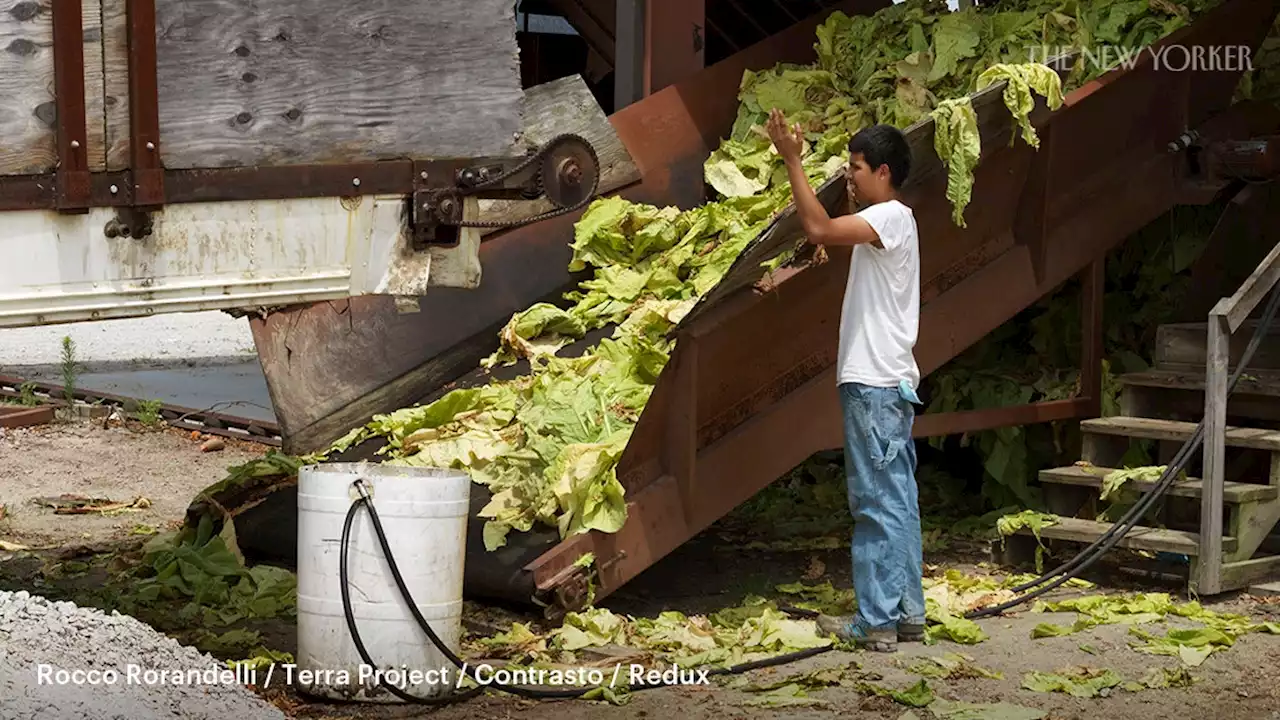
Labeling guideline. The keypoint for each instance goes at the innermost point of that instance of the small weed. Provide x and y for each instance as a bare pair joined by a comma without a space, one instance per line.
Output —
70,369
148,413
27,394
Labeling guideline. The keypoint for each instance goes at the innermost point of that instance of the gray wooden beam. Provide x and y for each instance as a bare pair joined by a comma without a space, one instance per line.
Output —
1209,572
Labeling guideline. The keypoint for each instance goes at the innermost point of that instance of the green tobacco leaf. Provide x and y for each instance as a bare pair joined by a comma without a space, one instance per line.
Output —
958,145
785,696
918,695
955,38
951,665
1116,479
1079,682
1191,646
590,628
1029,519
1021,80
949,626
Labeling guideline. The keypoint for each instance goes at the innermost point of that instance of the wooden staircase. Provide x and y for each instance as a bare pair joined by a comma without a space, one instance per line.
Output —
1224,528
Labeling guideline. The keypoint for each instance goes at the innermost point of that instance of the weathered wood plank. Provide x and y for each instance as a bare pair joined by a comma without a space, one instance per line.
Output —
94,85
1250,524
1139,538
1092,477
115,66
1179,395
556,108
1257,382
27,113
1245,573
1152,429
245,83
1237,307
1181,346
1209,580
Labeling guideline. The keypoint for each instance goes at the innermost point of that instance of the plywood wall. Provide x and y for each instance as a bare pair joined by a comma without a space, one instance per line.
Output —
300,81
243,82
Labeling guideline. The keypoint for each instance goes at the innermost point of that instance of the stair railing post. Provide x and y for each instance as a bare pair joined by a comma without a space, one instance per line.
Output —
1217,367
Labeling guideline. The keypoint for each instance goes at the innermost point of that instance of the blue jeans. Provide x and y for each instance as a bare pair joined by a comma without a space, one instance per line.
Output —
880,465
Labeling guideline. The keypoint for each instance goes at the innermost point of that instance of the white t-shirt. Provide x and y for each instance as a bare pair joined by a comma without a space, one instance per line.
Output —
880,318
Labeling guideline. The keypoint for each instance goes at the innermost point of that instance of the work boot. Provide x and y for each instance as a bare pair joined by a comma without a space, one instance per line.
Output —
847,629
910,631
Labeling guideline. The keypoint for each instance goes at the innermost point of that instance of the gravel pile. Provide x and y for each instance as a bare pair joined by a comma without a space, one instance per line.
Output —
39,638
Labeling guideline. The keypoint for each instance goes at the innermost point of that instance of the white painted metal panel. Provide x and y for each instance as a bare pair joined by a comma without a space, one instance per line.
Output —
212,256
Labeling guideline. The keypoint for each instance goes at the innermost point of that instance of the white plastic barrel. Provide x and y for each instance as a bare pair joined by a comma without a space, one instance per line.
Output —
424,515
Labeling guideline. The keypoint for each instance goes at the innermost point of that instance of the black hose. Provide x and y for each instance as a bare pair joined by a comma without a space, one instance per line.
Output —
535,692
1104,543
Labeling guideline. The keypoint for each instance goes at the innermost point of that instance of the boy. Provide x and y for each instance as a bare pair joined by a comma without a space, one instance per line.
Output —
876,375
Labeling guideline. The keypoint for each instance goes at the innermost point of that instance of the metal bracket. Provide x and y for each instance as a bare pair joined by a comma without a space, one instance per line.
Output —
439,187
436,208
570,587
1253,160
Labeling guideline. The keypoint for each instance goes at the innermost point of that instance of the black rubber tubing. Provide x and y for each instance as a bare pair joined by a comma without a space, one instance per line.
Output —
534,692
1063,573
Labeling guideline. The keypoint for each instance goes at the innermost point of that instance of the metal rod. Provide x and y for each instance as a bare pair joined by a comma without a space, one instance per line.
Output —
72,176
629,68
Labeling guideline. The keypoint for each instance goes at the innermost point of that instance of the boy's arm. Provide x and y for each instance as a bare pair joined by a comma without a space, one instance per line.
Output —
819,227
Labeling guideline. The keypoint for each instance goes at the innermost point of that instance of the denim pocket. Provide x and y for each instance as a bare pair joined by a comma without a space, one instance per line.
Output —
888,429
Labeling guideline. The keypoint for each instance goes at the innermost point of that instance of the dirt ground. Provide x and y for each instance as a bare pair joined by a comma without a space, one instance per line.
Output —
705,574
120,463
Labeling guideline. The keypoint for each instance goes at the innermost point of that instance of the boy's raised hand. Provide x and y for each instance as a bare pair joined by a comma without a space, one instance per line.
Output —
788,140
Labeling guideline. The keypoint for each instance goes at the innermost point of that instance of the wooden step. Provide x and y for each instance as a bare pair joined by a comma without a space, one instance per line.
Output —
1182,346
1152,429
1232,492
1261,382
1138,538
1179,395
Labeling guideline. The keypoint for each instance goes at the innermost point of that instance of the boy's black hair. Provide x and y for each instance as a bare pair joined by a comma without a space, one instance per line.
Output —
884,145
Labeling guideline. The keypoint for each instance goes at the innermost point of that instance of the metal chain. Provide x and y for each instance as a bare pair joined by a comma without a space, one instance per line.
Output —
536,158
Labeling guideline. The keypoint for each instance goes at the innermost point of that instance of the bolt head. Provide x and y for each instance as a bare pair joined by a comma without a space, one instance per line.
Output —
75,143
114,189
151,146
355,181
572,172
424,175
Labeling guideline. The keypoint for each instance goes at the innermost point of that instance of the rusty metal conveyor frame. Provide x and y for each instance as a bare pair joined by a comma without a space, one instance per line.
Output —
710,437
